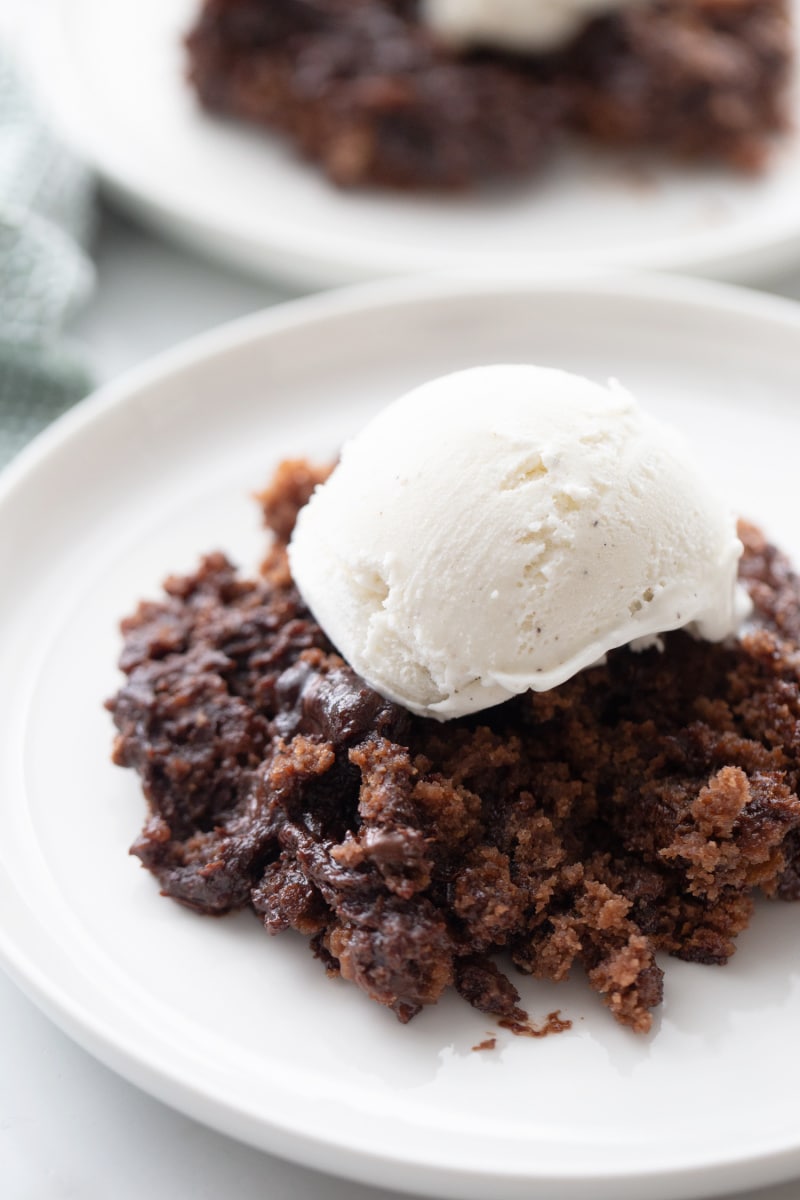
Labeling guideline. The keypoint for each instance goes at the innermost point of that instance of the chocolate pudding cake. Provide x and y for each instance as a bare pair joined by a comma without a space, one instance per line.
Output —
634,810
376,94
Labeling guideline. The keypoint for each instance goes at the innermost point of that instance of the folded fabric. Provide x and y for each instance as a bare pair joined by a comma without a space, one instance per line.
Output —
45,272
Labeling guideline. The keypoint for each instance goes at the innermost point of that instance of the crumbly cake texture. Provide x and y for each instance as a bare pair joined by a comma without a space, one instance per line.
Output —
365,90
635,809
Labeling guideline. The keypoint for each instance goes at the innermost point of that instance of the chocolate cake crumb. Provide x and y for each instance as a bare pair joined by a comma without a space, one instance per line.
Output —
488,1043
634,810
554,1023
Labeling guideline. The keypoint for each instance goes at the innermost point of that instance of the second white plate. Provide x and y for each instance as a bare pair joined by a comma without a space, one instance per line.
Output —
115,73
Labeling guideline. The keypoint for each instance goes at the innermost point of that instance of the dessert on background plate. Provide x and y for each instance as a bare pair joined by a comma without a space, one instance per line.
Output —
634,808
425,94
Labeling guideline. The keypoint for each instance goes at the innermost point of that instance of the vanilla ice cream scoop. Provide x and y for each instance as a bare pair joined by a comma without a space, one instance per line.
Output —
502,528
525,26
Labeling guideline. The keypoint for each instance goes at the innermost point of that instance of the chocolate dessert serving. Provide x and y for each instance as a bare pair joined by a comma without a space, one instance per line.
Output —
632,812
379,92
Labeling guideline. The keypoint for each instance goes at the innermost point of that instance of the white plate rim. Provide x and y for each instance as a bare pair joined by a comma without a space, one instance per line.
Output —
686,291
105,1043
320,258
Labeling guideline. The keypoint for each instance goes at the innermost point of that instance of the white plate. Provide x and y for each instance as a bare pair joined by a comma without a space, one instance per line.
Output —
115,71
246,1032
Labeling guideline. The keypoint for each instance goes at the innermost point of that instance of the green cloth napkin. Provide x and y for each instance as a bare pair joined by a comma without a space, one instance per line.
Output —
45,216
